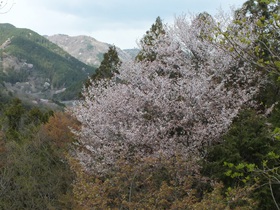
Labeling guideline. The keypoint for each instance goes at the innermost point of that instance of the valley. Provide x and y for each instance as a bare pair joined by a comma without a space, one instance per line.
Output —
52,69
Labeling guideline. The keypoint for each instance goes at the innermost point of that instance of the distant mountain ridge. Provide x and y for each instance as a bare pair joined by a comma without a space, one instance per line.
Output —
32,66
35,67
87,49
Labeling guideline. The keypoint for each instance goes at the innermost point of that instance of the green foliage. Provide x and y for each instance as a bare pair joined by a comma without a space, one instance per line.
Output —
14,113
49,61
249,151
265,13
62,70
156,30
267,174
237,161
34,172
37,117
109,66
17,118
247,140
71,93
33,177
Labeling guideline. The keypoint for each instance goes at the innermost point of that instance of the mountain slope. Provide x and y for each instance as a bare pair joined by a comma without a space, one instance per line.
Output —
32,65
88,49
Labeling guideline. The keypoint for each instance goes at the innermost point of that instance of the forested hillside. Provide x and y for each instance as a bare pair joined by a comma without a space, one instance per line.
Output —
192,123
35,67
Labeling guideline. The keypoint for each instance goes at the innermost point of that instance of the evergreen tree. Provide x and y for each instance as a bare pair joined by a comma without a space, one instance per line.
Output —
147,42
244,156
108,67
13,114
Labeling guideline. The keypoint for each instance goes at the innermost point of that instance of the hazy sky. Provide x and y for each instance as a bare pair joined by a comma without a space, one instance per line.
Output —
119,22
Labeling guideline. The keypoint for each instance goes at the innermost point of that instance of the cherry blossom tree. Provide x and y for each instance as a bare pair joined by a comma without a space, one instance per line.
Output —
177,104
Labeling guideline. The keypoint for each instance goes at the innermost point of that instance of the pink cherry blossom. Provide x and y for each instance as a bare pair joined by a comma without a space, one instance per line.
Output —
179,103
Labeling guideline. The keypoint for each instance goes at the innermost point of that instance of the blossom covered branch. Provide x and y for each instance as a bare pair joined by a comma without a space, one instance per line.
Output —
178,103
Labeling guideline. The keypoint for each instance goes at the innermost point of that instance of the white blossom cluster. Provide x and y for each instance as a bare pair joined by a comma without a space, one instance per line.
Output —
179,103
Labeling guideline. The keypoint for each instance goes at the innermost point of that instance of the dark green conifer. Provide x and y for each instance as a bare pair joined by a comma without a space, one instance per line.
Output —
155,31
109,66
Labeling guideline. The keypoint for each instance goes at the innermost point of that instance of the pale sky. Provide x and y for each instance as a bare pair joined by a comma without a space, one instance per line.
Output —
118,22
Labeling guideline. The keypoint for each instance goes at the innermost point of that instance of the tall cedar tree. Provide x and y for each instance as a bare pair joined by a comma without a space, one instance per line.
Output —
109,66
147,42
